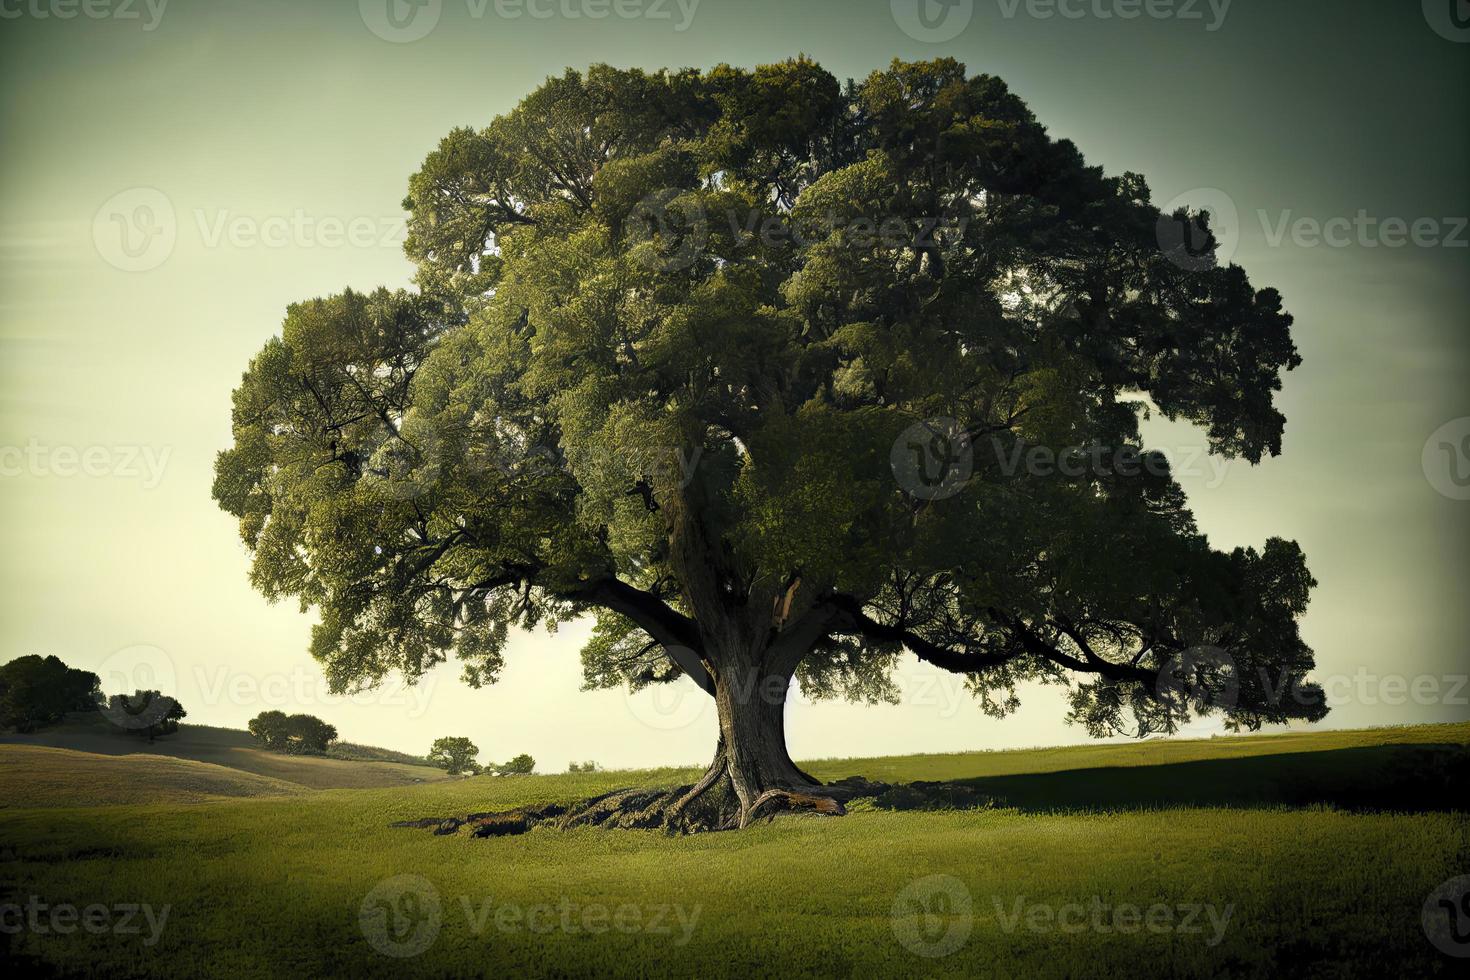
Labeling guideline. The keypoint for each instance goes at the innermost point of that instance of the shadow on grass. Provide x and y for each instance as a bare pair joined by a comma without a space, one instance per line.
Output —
1403,778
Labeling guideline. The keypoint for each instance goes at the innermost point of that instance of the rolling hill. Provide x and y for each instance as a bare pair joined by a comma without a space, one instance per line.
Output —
203,748
40,776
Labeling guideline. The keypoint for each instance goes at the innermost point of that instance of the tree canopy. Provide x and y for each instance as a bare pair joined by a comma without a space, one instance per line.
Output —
39,691
149,714
520,765
673,336
298,734
454,754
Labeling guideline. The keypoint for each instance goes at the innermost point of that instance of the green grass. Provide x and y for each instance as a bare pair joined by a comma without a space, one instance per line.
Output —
276,886
359,767
36,776
357,752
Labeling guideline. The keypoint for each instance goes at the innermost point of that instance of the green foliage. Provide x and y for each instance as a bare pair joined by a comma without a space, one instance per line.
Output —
670,333
356,752
299,734
521,765
37,691
269,729
149,714
588,766
455,754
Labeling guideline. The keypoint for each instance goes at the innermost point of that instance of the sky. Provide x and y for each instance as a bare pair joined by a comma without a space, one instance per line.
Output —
173,174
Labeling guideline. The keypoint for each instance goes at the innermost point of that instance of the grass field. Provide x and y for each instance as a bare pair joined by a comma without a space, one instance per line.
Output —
359,767
38,776
1280,855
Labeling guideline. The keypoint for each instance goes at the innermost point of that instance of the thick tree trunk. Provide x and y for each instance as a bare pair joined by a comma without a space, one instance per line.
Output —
752,710
751,777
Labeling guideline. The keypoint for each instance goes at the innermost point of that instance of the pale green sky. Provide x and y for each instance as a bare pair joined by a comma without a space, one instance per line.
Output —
244,119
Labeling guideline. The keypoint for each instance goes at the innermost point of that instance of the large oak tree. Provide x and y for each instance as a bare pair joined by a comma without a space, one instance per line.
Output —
760,370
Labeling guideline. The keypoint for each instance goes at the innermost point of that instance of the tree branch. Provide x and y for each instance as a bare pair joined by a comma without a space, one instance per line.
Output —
1092,665
847,615
677,633
850,617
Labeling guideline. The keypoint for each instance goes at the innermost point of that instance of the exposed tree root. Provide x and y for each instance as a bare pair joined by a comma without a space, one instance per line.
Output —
774,801
710,804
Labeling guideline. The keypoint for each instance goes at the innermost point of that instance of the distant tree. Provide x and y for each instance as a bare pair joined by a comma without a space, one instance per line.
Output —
779,378
269,729
521,765
147,713
588,766
292,734
36,691
309,735
455,754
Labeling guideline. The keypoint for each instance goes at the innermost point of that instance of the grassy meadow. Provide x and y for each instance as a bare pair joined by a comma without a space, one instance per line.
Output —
347,766
1268,855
